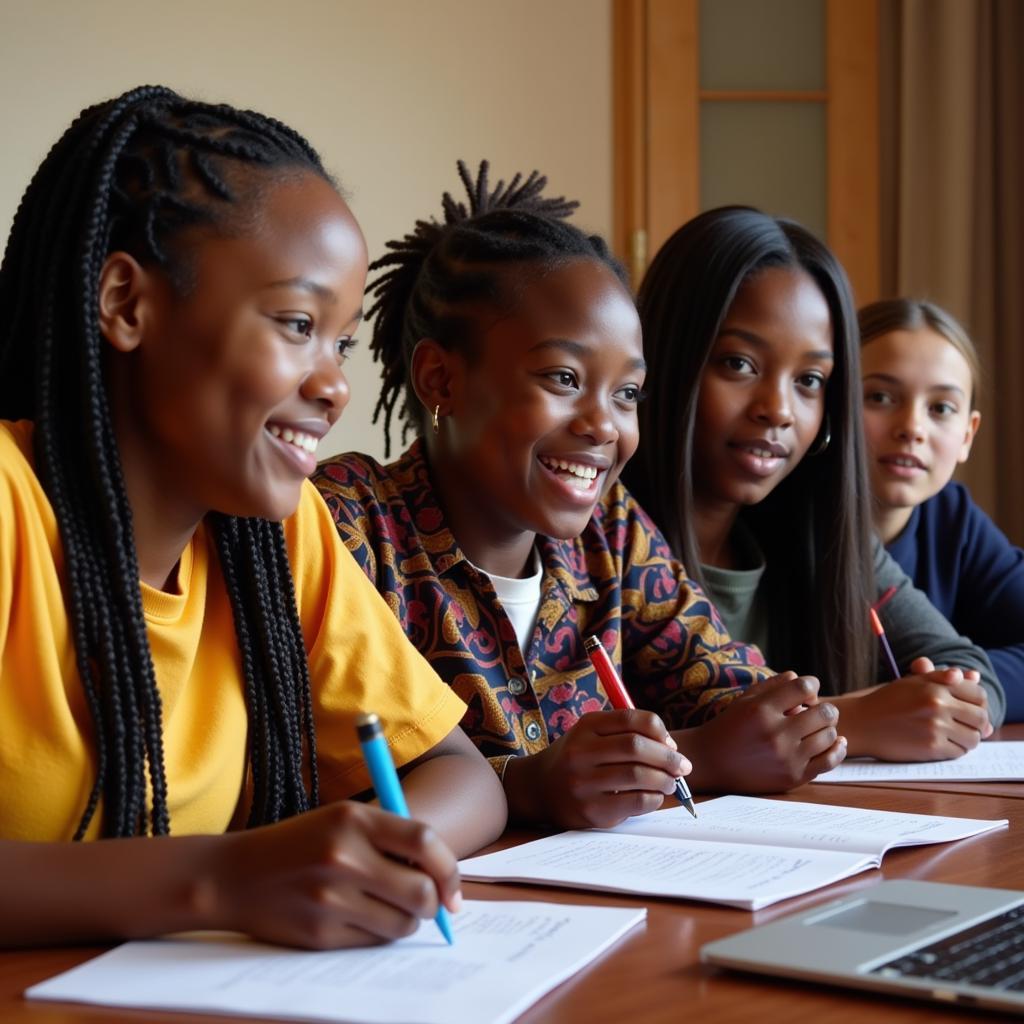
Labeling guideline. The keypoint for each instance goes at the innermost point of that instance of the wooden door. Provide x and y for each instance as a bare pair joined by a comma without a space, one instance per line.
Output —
663,110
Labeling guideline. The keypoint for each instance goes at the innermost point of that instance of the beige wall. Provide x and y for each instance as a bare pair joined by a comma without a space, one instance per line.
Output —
391,92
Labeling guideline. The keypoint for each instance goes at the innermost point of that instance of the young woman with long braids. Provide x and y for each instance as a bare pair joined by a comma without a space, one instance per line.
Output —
184,642
502,538
751,461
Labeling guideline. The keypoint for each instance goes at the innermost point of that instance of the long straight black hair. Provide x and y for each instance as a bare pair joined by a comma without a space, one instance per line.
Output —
131,174
814,528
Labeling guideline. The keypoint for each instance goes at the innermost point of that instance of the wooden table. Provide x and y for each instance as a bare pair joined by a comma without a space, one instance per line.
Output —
654,973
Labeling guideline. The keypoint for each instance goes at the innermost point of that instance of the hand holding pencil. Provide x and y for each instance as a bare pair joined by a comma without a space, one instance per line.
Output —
388,788
610,765
619,697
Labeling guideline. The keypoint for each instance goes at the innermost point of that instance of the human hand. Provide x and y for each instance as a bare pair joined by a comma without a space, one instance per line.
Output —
774,737
610,765
929,715
347,874
972,675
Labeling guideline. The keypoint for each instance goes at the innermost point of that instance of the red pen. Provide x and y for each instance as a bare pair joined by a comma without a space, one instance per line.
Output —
621,701
876,625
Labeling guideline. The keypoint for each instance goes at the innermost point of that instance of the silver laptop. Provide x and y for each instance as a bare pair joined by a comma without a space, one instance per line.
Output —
953,943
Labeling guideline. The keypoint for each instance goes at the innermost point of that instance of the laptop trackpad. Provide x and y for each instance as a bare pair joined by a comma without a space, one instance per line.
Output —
880,918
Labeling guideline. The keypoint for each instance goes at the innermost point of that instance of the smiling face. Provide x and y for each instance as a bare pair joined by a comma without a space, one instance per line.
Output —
762,392
918,420
542,412
222,397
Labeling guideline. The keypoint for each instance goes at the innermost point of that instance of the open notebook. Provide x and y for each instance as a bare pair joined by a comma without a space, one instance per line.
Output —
742,851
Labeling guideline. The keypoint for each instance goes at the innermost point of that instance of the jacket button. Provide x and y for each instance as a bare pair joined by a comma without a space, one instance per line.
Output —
517,687
532,732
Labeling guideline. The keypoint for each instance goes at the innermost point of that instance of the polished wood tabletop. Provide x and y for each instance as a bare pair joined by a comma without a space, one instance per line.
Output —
654,973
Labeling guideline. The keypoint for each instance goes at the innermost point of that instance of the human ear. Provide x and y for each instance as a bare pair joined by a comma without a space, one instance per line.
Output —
124,295
434,375
973,422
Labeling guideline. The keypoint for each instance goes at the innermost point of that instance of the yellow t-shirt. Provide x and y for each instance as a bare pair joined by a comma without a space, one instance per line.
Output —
359,660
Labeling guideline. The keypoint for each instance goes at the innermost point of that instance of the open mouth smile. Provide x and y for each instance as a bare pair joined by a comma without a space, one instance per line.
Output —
307,442
760,458
579,478
902,466
297,445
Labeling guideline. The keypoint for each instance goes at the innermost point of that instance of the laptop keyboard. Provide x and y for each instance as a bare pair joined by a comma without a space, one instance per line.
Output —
989,954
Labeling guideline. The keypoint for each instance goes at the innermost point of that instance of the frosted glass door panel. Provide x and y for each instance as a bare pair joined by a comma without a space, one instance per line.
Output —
766,154
765,45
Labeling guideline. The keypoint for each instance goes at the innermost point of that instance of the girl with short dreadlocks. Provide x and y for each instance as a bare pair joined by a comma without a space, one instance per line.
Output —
503,540
184,641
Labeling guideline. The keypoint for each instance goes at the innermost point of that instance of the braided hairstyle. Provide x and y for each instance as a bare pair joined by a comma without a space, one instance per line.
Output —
132,173
435,279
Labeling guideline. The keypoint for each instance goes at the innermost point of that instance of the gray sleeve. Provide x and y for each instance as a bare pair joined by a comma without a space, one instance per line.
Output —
916,629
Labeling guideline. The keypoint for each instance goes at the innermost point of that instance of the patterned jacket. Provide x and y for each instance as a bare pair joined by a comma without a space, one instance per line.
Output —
618,580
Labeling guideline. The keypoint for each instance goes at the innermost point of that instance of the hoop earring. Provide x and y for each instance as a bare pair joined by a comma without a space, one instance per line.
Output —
434,419
823,441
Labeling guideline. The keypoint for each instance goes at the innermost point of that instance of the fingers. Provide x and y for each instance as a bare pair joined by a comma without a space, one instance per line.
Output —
828,758
760,684
389,906
817,718
787,692
611,723
628,738
970,716
821,730
962,738
631,752
971,708
966,700
422,848
921,666
963,684
970,691
347,874
625,778
610,808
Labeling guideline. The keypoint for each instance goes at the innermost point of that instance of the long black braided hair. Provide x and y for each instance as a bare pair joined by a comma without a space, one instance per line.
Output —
436,278
131,174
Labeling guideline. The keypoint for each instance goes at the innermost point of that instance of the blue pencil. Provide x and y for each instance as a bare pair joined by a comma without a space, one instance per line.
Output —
388,788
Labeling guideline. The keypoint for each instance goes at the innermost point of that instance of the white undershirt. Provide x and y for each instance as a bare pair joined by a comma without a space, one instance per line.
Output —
521,600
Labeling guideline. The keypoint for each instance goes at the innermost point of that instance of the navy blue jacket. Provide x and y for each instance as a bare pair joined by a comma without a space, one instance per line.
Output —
974,576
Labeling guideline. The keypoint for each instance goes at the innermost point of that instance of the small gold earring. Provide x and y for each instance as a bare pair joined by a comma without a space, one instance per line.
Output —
433,420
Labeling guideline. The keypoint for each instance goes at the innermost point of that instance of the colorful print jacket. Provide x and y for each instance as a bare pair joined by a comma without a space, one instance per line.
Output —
618,581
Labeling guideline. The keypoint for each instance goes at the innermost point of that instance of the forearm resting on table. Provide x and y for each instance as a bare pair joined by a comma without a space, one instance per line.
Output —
112,889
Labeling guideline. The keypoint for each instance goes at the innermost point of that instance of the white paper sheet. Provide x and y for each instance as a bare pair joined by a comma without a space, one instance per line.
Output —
736,875
505,957
987,762
805,826
743,852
